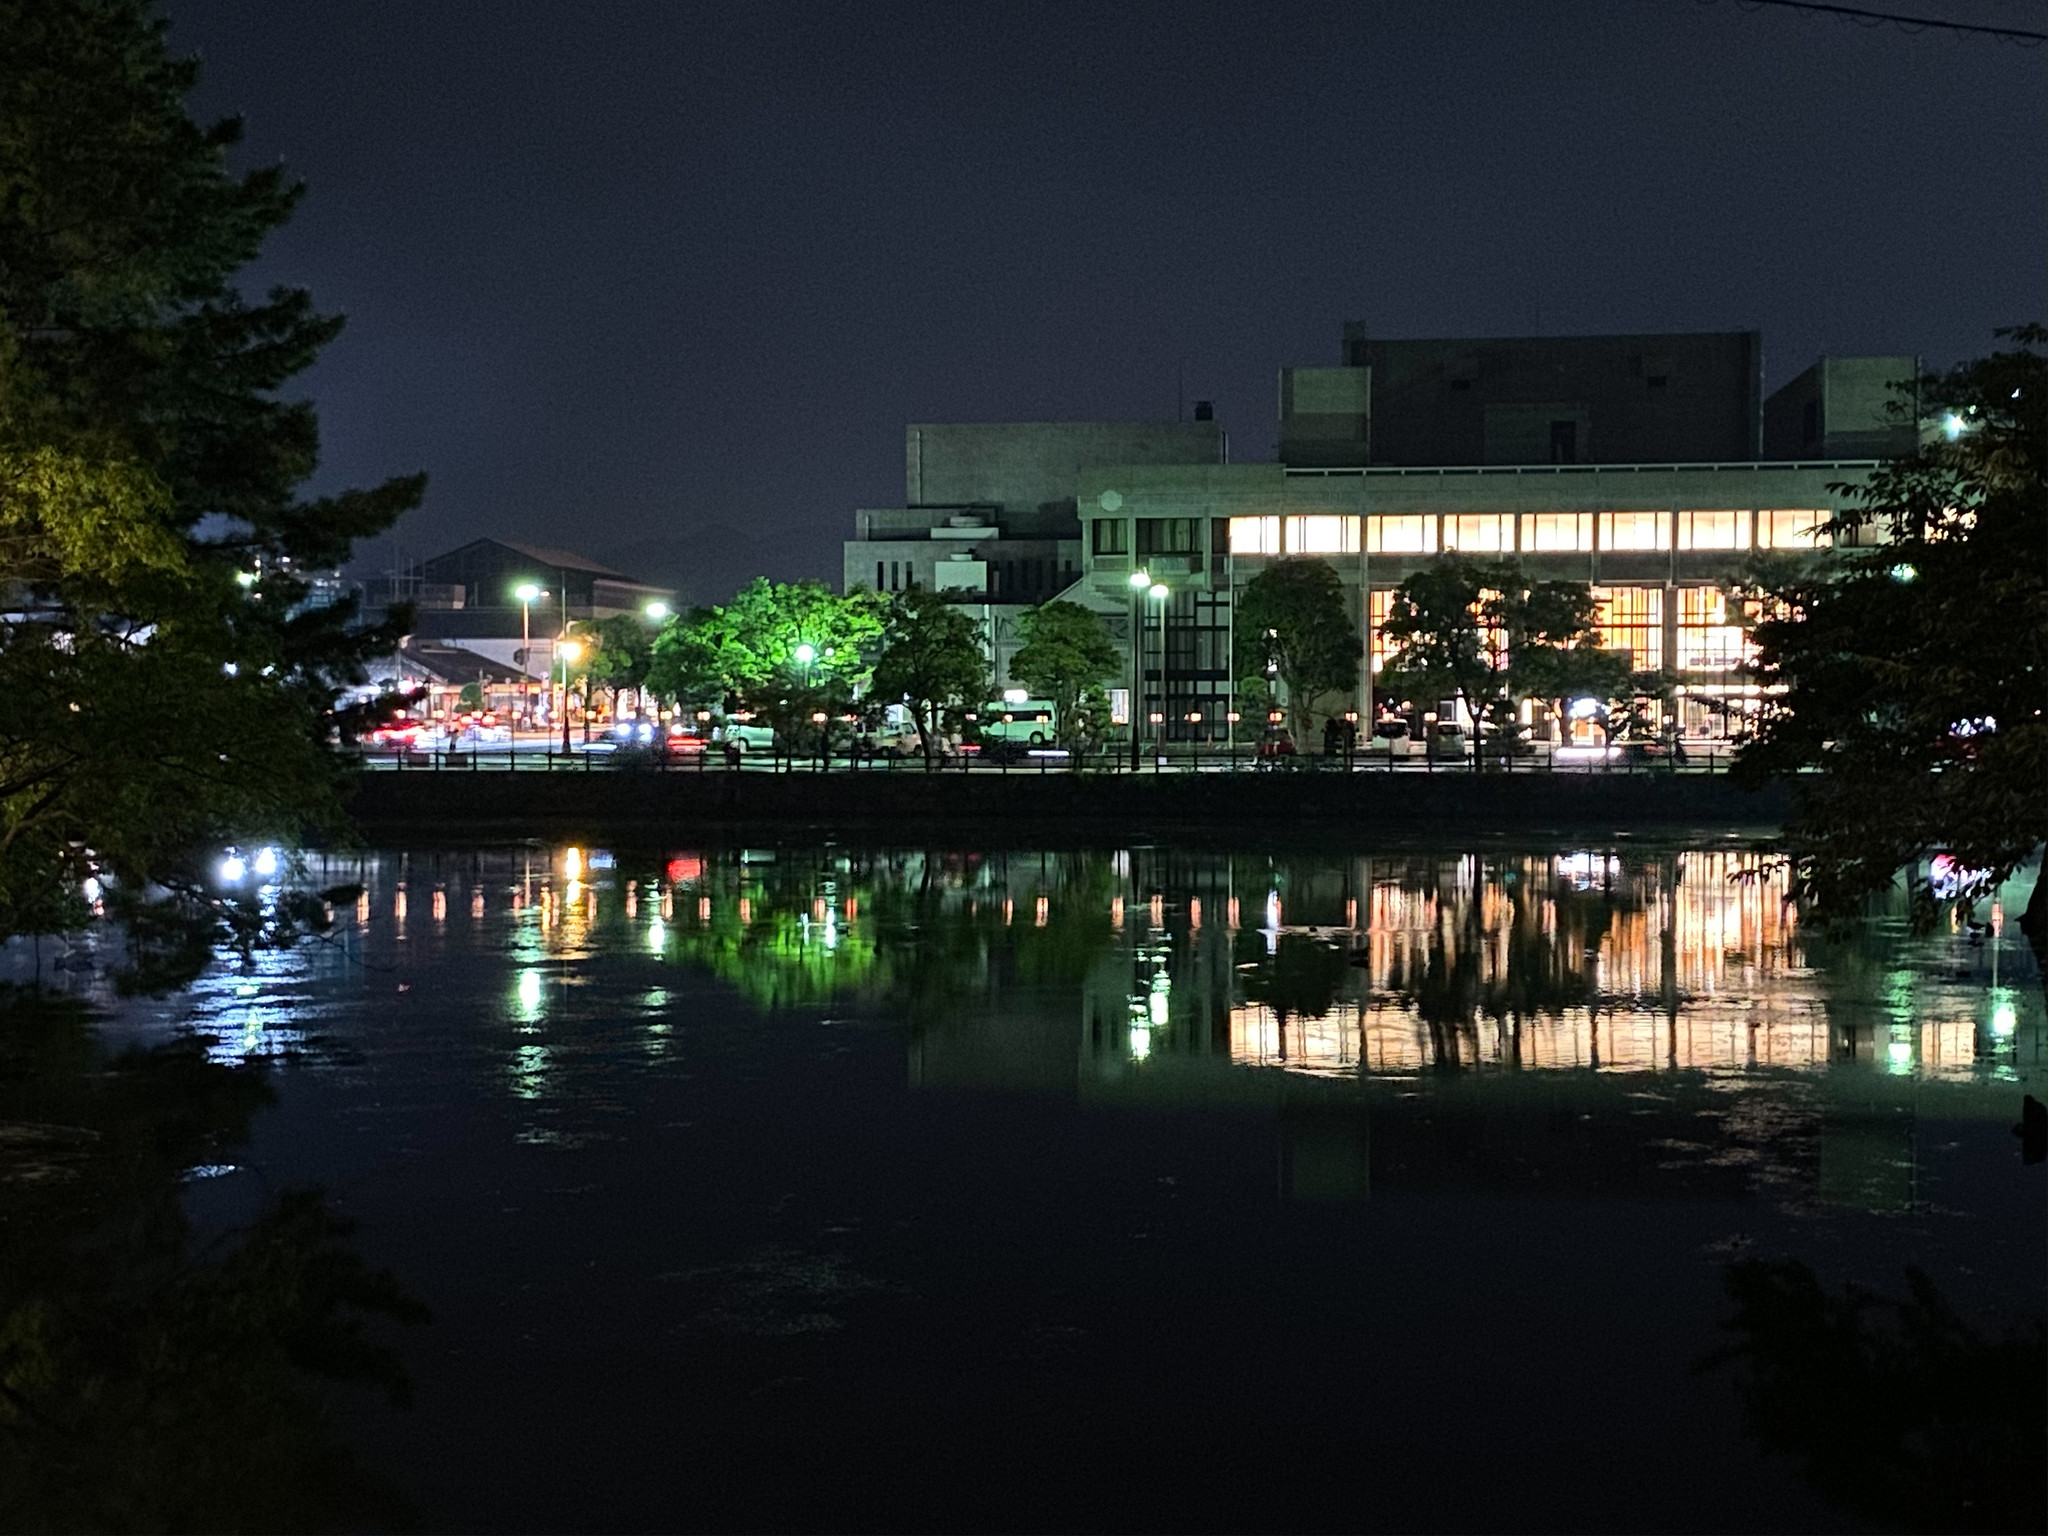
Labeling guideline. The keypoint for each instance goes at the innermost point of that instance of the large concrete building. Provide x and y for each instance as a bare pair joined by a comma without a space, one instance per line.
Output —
1650,467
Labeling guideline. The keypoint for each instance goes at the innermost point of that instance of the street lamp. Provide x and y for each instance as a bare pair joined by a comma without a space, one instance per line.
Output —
528,594
1140,580
570,650
1159,592
657,611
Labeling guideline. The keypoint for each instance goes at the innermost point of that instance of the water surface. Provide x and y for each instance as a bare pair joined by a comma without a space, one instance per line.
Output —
802,1186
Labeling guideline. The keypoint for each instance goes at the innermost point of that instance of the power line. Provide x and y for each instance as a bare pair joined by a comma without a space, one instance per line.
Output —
1865,18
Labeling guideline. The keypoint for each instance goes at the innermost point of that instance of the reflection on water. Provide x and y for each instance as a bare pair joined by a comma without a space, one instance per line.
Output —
777,1135
1679,979
1355,967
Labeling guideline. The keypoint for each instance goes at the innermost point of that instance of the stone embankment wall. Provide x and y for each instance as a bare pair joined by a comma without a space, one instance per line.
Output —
1198,807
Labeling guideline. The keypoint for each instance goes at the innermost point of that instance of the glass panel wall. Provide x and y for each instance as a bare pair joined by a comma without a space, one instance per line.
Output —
1255,535
1713,530
1632,619
1322,535
1635,530
1401,535
1483,533
1557,531
1791,530
1707,642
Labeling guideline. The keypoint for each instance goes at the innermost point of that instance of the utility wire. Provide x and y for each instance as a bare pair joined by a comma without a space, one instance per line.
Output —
1866,18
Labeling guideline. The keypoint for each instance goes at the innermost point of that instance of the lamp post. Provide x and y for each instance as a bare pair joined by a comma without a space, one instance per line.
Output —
1159,592
570,651
527,593
1140,581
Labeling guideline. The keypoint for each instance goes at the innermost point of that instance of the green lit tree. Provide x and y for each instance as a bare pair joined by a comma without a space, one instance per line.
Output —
1913,672
932,659
1291,620
1066,657
773,642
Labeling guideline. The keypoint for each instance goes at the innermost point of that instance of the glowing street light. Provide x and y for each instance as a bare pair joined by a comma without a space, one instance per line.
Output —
806,654
528,594
657,611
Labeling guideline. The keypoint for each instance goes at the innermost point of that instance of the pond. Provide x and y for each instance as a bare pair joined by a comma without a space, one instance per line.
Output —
814,1186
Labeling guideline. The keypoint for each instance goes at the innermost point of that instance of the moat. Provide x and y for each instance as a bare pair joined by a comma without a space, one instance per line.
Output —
823,1186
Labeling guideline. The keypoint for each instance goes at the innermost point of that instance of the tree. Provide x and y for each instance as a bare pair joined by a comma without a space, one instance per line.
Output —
1914,672
1292,620
772,642
617,653
1494,638
165,689
932,658
1066,656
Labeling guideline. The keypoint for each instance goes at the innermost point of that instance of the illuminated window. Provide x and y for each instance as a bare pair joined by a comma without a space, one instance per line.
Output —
1791,530
1707,642
1255,535
1401,535
1487,532
1382,610
1322,535
1635,530
1557,531
1631,619
1112,536
1713,530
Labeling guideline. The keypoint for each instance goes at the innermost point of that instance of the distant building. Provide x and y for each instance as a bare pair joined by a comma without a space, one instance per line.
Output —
466,598
989,516
1649,466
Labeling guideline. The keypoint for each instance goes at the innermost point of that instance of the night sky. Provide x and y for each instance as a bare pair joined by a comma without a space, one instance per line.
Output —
664,282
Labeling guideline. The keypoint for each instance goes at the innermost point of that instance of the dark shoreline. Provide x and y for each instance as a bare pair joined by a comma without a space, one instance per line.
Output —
1295,809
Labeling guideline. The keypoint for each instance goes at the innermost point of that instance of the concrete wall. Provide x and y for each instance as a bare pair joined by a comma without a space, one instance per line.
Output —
1326,808
1837,409
1628,399
1028,469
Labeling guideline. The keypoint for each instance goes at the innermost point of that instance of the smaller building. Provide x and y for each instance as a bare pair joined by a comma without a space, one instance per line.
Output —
989,515
468,599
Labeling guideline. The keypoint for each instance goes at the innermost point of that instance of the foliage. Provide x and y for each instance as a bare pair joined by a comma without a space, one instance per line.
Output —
1949,1430
617,653
932,658
165,688
1066,657
1914,673
1291,619
1494,638
745,651
149,1381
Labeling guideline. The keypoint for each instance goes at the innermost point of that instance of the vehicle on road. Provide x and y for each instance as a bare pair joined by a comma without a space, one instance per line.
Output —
1018,718
1447,740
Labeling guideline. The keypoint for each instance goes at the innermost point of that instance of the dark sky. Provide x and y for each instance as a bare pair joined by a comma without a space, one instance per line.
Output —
663,282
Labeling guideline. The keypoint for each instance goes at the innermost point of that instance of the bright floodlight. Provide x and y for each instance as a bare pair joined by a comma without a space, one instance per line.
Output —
657,610
232,868
266,863
527,592
1159,589
1141,578
571,649
806,654
1952,424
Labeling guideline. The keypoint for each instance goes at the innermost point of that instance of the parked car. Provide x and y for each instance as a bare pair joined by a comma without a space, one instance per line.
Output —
744,736
1447,740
